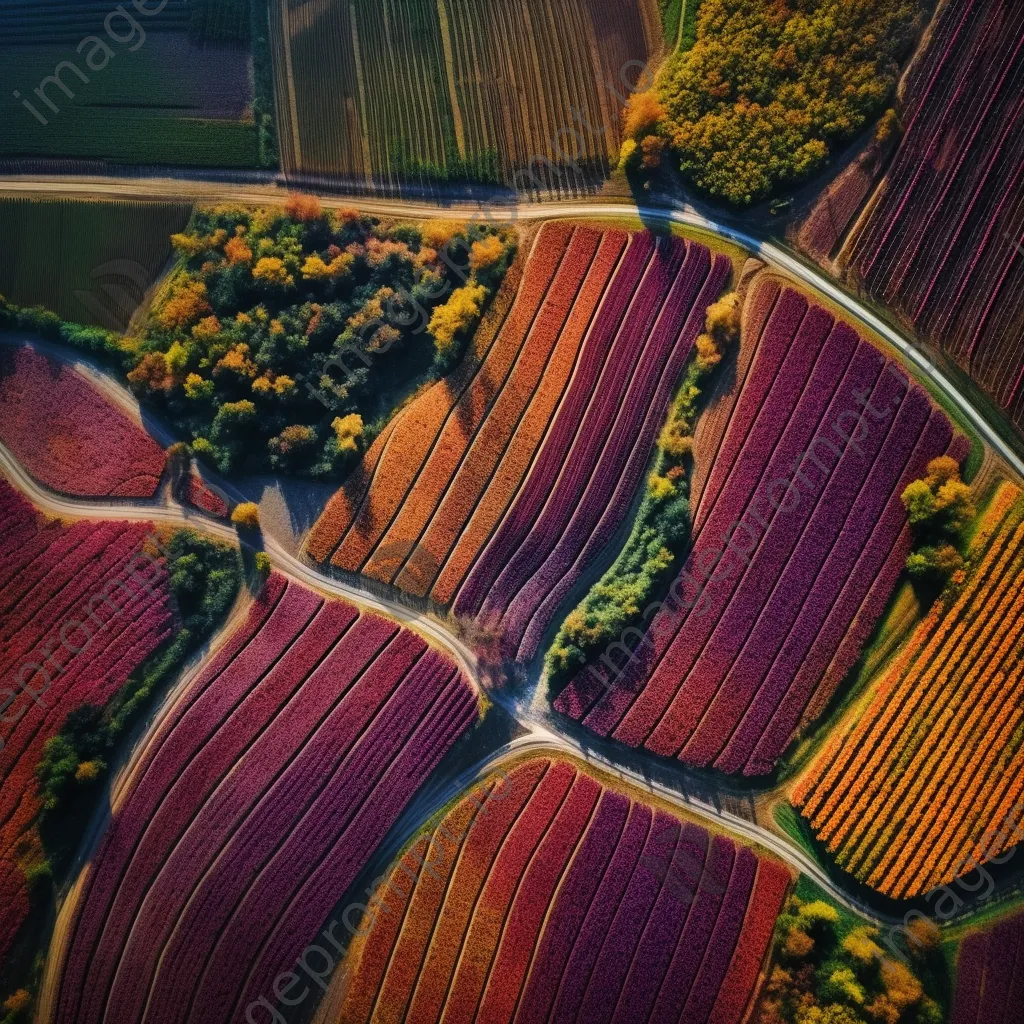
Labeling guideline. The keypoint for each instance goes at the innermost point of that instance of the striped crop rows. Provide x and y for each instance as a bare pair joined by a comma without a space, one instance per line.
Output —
387,91
799,537
68,436
74,624
559,899
88,262
253,806
990,975
495,490
944,241
913,794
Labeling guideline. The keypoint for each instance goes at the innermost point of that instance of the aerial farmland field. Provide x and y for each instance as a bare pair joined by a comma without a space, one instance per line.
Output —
940,241
511,513
90,263
452,90
164,83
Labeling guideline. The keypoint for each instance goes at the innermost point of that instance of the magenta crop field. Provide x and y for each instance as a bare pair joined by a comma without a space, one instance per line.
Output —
579,490
567,900
799,538
990,975
254,806
75,622
68,436
944,242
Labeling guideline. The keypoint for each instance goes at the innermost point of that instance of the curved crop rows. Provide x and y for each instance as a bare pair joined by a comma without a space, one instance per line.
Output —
914,794
556,898
944,241
253,807
800,536
496,498
68,436
990,975
78,614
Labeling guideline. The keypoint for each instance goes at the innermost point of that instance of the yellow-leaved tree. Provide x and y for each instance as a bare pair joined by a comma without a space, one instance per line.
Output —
456,316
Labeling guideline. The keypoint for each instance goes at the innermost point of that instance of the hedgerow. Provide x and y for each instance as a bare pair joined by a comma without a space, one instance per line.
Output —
204,579
660,533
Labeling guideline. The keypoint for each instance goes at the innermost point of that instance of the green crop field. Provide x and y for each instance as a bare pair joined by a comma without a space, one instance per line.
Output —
172,88
89,262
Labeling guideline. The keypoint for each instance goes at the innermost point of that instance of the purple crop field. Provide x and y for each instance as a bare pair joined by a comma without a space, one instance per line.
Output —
80,612
550,911
988,985
253,806
798,541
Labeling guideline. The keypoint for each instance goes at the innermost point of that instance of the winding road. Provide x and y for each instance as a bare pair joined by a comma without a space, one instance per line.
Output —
538,737
508,212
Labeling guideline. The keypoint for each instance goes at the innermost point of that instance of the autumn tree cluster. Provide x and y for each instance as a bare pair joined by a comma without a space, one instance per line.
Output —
826,969
939,509
285,335
770,89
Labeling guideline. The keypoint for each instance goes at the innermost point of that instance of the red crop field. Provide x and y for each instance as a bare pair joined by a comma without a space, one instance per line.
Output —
554,897
799,538
495,491
911,795
206,500
79,612
990,975
943,240
68,436
262,793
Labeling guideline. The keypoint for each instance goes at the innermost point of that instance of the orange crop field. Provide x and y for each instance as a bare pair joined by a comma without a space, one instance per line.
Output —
915,792
450,500
545,894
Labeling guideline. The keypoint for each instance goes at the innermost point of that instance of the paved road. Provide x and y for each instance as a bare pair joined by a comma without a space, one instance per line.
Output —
504,212
538,736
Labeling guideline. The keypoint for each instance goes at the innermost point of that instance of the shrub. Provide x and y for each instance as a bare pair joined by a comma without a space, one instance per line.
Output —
939,507
246,514
272,270
303,208
643,112
89,771
934,564
18,1002
347,431
724,318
